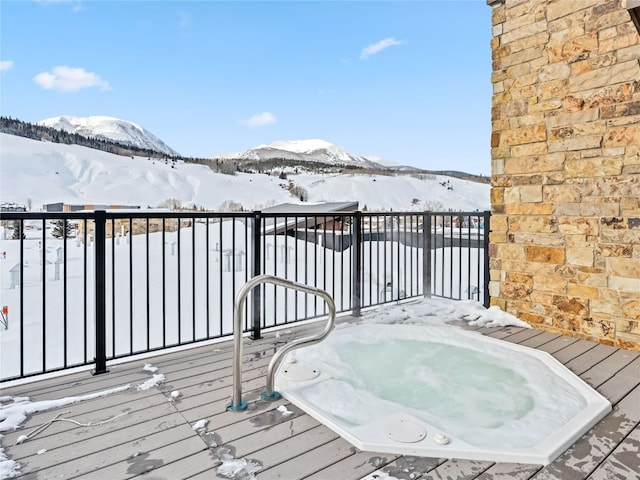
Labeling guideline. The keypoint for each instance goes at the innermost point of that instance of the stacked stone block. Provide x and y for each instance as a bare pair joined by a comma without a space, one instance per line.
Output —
565,230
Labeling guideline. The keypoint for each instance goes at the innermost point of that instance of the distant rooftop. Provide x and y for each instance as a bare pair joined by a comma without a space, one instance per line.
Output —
306,208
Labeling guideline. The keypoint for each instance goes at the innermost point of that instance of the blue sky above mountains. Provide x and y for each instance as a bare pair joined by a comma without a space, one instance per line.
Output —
406,81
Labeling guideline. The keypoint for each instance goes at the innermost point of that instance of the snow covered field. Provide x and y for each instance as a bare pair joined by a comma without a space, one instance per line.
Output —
37,173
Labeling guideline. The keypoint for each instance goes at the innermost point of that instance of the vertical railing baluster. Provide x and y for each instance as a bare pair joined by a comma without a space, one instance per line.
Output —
21,281
295,262
341,262
285,252
164,282
460,227
131,262
247,265
113,288
85,309
193,279
233,262
265,267
403,271
315,264
256,293
99,247
487,272
442,267
480,262
468,239
43,260
373,265
207,283
148,281
426,254
220,275
306,262
64,291
179,279
357,262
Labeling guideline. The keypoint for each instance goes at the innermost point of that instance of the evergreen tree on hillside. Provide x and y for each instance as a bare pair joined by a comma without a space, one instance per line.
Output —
61,229
17,231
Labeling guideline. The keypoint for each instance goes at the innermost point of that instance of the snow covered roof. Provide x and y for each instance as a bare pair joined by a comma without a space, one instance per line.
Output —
306,208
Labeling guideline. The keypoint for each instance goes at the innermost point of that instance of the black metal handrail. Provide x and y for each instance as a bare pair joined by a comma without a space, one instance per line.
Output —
120,283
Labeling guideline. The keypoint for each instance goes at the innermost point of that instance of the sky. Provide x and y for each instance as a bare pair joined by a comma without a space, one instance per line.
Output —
407,81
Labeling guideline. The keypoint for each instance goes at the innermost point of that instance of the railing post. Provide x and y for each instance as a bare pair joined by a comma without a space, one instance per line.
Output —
426,254
256,259
487,272
99,245
356,301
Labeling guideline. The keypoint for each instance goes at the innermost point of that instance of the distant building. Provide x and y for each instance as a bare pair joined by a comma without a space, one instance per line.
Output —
307,216
12,207
326,224
65,207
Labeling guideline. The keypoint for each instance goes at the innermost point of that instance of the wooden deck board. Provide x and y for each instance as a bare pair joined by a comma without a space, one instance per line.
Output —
85,440
583,457
509,471
624,462
64,433
570,352
623,382
557,344
356,466
610,366
539,340
155,439
145,463
88,411
405,467
458,469
201,465
523,335
588,359
114,462
310,462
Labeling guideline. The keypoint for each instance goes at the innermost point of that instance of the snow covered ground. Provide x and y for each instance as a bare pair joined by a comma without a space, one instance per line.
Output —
37,173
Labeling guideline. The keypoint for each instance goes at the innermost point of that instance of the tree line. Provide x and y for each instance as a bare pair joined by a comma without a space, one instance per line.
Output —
35,131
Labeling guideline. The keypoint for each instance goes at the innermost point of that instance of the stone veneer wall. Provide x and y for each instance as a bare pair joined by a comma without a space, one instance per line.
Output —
565,230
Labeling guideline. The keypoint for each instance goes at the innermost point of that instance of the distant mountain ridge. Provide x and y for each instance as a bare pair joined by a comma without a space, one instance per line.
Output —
122,137
75,174
110,129
310,150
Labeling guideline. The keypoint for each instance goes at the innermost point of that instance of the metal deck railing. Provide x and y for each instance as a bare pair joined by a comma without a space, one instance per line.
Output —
84,288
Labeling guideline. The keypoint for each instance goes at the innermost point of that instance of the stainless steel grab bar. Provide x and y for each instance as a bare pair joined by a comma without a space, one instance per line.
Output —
237,403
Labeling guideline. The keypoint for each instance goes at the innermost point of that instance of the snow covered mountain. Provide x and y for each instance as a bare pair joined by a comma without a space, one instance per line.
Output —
56,172
314,150
109,128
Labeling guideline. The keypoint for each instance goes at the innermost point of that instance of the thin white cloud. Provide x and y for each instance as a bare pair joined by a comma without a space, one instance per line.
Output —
184,19
68,79
261,119
77,3
6,65
378,47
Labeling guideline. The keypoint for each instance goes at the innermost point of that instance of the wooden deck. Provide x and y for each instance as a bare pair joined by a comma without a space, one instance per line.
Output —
153,437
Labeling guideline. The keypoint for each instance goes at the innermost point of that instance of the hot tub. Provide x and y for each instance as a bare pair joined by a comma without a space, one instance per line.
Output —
440,392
